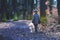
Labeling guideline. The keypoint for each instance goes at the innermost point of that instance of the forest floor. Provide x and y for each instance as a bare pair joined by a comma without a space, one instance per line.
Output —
24,30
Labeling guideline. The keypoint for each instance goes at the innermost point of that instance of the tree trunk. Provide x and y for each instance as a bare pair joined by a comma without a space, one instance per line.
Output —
50,6
43,7
3,10
58,6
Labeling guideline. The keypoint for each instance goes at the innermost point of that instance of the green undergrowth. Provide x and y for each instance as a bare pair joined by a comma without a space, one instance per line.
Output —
43,19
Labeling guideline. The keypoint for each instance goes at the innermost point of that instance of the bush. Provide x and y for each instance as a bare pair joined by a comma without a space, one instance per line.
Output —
15,17
43,19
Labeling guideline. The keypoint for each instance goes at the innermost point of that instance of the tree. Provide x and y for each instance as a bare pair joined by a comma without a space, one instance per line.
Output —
50,5
0,12
30,8
58,6
43,7
3,10
14,9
